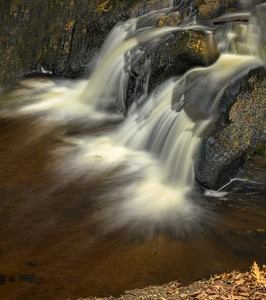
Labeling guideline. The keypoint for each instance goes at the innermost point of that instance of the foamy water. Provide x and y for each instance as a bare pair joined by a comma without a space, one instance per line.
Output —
154,148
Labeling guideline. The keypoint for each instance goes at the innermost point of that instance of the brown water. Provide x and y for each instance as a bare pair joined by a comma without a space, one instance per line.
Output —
51,249
61,200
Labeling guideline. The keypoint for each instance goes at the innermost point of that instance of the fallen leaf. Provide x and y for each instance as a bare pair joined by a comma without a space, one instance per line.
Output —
256,272
244,294
196,293
210,292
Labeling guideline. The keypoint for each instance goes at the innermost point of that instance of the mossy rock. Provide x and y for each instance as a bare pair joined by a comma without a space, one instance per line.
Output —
238,132
59,36
209,9
62,36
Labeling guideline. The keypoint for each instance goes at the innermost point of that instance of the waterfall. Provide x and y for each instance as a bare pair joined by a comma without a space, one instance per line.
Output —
107,84
155,146
242,38
158,129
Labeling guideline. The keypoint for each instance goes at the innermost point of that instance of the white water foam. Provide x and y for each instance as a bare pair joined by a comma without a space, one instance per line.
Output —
153,151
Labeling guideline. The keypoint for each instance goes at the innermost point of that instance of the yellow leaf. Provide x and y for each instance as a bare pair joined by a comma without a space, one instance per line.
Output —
256,272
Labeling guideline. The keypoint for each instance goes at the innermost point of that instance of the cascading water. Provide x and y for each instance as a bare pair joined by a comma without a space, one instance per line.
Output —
156,145
86,171
109,71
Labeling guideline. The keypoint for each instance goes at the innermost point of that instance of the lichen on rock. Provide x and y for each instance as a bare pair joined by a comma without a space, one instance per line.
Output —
240,128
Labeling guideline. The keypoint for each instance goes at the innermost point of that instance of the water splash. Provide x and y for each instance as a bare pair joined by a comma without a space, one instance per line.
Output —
107,83
243,38
150,158
154,151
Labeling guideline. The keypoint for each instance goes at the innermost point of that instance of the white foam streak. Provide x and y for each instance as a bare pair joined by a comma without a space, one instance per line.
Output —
177,152
153,150
240,38
105,83
138,127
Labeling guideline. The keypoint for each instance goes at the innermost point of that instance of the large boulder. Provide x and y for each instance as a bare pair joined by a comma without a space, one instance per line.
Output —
173,56
240,128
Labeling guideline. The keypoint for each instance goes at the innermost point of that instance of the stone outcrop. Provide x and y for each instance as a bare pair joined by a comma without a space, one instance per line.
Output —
240,131
214,8
236,134
173,56
59,36
62,36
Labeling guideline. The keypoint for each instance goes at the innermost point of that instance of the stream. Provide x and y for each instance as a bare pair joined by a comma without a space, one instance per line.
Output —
97,199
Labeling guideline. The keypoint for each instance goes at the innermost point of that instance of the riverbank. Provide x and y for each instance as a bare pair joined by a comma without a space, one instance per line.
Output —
250,285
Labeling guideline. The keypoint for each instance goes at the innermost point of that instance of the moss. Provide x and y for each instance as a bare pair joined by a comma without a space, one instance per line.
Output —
211,8
259,152
105,6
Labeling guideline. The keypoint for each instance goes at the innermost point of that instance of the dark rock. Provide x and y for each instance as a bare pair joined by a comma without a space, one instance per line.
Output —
240,127
2,279
63,36
209,9
173,56
59,36
30,278
212,8
181,52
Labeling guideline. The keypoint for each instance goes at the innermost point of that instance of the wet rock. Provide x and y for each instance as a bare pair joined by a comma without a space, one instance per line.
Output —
175,54
212,8
209,9
181,52
239,129
2,279
30,278
60,37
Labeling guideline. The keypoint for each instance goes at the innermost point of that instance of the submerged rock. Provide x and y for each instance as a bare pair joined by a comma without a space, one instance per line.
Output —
239,129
